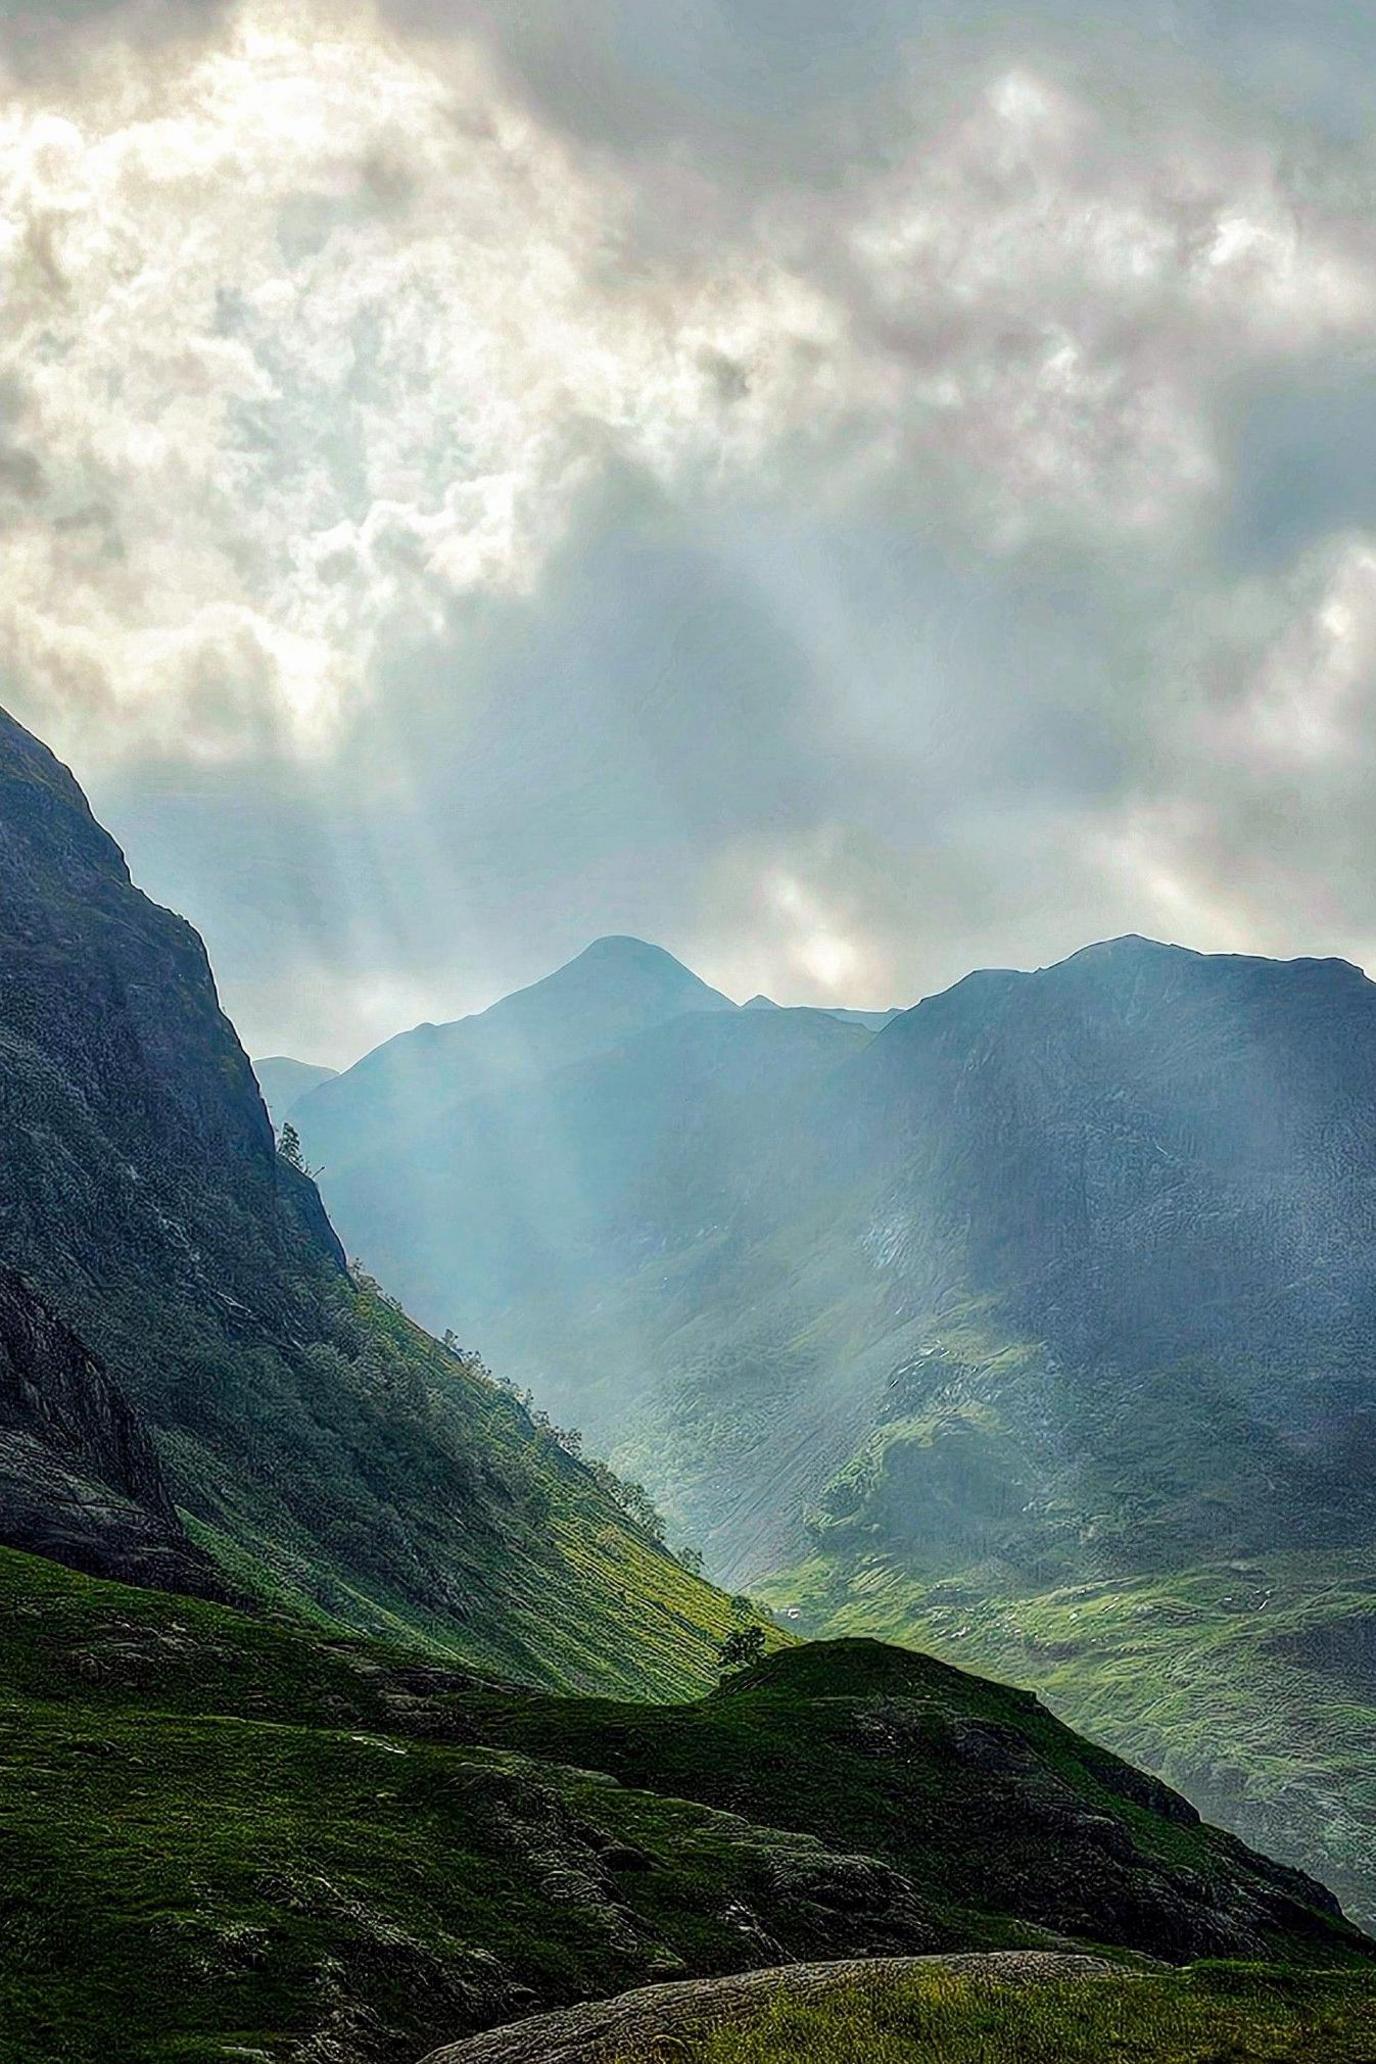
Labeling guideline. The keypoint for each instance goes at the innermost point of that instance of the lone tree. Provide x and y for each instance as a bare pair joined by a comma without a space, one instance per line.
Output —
742,1647
289,1147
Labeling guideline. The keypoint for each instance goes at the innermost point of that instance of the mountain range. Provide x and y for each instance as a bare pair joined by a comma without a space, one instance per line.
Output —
345,1706
1033,1324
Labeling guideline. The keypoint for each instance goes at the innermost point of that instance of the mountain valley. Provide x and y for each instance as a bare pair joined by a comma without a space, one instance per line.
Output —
349,1706
1045,1306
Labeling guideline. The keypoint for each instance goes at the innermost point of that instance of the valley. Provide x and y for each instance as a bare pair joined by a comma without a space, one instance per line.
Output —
351,1705
1031,1327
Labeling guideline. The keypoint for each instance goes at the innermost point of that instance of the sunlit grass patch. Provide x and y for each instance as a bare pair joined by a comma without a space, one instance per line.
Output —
1210,2015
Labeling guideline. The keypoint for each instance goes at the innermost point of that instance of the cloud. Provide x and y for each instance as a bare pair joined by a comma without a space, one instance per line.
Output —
1248,826
848,495
315,329
304,342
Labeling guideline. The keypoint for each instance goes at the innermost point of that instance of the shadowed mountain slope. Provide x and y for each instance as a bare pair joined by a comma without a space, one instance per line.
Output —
324,1447
79,1476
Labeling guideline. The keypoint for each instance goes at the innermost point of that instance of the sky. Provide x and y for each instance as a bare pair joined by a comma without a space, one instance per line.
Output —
849,494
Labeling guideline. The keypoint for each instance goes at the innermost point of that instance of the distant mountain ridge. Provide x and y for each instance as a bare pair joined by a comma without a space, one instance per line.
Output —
285,1081
1059,1278
614,990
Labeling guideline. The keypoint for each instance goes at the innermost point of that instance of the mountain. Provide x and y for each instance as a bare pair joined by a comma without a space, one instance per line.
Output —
79,1476
284,1082
256,1829
873,1021
325,1450
1033,1327
543,1190
614,989
243,1835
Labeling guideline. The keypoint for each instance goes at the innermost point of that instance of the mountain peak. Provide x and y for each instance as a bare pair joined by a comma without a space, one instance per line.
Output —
621,952
618,965
625,946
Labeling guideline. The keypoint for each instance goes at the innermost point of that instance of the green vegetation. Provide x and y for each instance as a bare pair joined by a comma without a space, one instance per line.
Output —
1251,1685
742,1648
533,1567
1211,2014
1033,1328
229,1836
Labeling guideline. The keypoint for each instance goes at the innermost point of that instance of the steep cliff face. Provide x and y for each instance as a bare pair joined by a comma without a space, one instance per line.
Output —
333,1453
80,1480
140,1139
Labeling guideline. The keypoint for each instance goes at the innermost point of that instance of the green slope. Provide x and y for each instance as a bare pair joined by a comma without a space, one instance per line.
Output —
230,1837
324,1449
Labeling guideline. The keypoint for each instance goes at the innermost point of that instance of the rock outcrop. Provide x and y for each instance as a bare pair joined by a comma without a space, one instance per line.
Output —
80,1480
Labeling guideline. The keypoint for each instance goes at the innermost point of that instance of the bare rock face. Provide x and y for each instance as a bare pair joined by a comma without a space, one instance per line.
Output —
79,1476
139,1158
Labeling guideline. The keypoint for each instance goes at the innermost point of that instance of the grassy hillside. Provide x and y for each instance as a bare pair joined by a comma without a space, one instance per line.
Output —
228,1837
326,1451
513,1557
1251,1685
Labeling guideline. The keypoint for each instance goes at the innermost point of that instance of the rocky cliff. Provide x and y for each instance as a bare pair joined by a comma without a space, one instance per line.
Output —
80,1480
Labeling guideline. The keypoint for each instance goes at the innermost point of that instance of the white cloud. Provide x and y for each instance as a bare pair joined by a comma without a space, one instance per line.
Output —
311,339
1291,680
311,331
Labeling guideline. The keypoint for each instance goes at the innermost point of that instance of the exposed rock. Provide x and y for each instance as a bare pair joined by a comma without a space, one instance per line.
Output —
79,1476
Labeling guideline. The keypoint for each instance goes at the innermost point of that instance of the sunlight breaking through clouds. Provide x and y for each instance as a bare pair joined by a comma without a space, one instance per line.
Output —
304,343
310,333
456,499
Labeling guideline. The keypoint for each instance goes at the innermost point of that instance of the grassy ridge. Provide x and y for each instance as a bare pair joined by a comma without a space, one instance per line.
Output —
1250,1685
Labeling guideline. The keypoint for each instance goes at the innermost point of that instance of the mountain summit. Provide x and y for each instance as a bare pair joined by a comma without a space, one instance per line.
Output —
616,988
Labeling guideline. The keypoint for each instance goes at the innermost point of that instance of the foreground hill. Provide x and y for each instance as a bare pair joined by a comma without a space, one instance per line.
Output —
1034,1327
229,1836
320,1445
